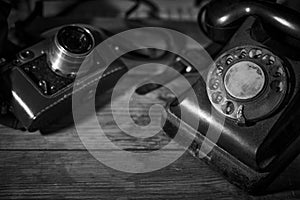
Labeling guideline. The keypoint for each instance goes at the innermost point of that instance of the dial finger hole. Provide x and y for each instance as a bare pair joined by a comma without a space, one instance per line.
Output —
228,108
268,59
258,53
243,53
229,59
217,97
214,84
271,60
255,53
251,53
277,86
277,71
219,70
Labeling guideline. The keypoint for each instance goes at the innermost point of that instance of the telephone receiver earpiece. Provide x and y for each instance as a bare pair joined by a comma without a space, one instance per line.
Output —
219,19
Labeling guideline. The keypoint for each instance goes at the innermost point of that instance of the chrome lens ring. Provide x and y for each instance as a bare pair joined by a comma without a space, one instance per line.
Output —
72,43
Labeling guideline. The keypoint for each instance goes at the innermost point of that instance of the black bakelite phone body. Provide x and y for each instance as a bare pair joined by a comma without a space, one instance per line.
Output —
254,85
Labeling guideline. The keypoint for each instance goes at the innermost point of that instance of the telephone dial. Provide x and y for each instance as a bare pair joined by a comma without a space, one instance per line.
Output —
254,85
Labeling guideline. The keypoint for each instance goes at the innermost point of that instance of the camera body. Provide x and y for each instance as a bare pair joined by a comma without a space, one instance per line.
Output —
38,83
254,85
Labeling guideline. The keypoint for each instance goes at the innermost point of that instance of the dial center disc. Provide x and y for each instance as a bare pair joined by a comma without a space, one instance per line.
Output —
244,80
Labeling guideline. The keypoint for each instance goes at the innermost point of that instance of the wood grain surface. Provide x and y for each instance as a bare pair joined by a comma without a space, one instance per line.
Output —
55,164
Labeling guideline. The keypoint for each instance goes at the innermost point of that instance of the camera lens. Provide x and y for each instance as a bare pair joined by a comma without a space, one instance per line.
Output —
75,39
70,46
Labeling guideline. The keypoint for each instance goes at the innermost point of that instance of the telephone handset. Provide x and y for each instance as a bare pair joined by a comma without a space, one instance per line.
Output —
220,19
254,84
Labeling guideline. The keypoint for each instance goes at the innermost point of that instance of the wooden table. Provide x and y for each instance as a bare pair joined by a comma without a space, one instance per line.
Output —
56,165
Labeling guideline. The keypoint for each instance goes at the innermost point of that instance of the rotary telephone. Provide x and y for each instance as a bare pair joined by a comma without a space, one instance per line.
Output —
254,85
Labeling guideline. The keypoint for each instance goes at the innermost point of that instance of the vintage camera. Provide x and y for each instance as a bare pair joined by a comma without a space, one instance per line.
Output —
254,85
37,84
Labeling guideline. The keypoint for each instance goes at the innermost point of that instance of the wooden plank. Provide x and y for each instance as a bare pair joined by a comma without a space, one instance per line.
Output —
76,175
